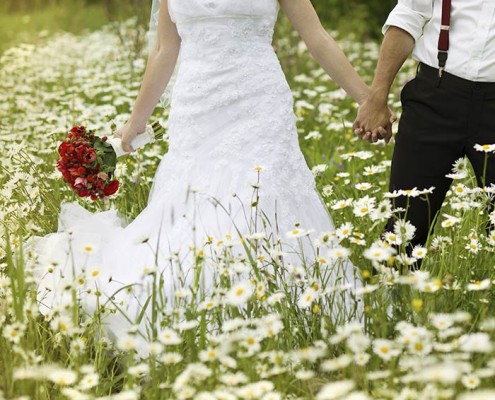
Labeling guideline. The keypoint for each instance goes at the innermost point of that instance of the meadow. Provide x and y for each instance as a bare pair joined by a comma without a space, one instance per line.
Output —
428,334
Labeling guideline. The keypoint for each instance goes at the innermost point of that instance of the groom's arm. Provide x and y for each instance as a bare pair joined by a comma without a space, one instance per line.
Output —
396,47
403,28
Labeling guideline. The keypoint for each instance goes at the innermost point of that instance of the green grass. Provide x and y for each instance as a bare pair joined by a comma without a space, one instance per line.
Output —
29,27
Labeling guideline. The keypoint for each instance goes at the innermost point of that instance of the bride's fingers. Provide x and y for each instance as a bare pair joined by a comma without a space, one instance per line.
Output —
385,133
378,133
126,146
382,132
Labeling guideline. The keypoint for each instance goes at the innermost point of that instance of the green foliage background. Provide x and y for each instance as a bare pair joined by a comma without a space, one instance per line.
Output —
364,17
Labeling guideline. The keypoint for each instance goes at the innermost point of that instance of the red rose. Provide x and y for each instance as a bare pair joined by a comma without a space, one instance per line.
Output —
65,149
89,156
100,183
81,171
83,192
111,188
78,131
80,151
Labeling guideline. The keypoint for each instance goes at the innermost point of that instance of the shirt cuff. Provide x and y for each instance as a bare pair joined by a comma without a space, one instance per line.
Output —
407,19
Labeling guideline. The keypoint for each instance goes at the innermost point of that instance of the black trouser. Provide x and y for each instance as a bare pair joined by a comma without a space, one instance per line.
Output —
440,123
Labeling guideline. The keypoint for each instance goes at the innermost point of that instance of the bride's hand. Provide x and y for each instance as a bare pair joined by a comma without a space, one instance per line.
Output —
374,121
126,134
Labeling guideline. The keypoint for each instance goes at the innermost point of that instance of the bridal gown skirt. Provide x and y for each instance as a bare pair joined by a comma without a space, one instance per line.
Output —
234,167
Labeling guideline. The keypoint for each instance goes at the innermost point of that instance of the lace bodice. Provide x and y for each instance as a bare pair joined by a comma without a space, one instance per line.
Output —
184,10
231,99
223,23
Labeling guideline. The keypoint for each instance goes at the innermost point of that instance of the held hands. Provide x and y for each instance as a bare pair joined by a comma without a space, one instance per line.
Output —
374,121
127,133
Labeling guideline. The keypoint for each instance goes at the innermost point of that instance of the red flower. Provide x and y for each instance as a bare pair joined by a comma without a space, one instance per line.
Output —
89,156
65,149
81,165
83,192
78,131
80,151
111,188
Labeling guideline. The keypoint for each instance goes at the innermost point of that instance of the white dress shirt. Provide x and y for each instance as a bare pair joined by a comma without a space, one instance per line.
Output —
472,35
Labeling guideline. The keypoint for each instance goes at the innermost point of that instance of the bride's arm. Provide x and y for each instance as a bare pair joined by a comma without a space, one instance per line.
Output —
323,48
159,69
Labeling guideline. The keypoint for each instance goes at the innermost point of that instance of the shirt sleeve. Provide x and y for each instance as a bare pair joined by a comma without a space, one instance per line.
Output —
410,15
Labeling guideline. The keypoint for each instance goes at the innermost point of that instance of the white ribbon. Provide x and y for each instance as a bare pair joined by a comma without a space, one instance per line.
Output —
139,141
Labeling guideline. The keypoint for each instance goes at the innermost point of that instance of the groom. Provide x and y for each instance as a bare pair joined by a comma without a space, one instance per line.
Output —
447,108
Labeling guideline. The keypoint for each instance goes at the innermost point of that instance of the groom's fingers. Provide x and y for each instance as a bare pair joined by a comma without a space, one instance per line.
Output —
367,136
358,130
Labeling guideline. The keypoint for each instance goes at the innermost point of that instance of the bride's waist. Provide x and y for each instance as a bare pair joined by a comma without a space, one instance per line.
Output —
226,32
225,52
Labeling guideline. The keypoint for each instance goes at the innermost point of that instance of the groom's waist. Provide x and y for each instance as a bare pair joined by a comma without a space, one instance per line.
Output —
452,81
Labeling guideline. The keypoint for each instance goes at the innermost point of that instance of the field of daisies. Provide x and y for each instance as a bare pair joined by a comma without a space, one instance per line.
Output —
428,334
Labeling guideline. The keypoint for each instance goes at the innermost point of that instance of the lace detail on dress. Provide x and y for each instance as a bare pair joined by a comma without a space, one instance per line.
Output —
231,111
232,105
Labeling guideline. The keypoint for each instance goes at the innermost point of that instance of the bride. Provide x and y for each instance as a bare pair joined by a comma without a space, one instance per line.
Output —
233,185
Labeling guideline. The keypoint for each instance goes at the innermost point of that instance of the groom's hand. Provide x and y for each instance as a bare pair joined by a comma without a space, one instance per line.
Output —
374,121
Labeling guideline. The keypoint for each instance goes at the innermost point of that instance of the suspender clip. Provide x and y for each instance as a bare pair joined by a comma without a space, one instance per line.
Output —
442,61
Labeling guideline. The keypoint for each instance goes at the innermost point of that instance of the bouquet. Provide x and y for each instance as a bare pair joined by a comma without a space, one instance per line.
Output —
87,161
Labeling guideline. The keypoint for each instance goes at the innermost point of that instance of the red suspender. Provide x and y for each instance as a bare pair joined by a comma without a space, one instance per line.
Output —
443,40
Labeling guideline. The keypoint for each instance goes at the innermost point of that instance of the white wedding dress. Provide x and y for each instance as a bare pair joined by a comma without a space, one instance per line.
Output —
231,111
